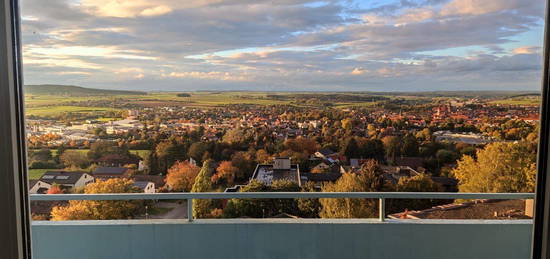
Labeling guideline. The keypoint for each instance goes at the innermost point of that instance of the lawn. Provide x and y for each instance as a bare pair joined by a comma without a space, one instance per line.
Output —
35,174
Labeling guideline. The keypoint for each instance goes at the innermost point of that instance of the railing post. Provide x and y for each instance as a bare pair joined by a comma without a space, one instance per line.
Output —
189,209
382,209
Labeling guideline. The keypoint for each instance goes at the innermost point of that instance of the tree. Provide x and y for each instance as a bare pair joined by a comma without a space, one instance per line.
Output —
197,150
55,189
168,152
74,159
101,210
43,155
262,208
203,183
225,171
309,208
351,149
245,163
369,179
262,157
181,176
417,183
102,148
410,146
392,144
499,167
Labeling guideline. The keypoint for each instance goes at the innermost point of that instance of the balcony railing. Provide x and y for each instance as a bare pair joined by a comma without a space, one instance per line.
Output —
381,196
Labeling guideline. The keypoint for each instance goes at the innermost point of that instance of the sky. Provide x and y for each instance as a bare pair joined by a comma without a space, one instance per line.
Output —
284,45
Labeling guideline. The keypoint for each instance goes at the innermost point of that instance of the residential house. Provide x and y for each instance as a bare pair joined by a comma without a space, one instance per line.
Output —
65,179
145,186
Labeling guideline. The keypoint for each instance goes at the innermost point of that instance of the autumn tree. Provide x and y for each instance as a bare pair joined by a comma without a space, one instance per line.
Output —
225,171
369,179
181,176
101,210
499,167
55,189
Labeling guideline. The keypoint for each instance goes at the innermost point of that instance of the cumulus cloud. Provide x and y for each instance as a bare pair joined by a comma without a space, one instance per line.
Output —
287,44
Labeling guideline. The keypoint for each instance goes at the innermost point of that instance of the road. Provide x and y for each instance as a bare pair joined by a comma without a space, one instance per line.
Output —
179,211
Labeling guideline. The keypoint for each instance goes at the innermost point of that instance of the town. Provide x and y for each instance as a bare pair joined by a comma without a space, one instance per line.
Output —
277,142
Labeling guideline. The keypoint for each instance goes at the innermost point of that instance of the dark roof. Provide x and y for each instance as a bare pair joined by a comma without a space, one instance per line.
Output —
413,162
326,152
32,183
141,184
158,180
323,177
110,170
61,177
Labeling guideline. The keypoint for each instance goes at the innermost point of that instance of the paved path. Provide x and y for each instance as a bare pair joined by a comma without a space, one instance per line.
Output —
179,211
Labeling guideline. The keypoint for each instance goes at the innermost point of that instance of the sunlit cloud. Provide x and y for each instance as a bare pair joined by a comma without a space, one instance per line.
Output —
286,45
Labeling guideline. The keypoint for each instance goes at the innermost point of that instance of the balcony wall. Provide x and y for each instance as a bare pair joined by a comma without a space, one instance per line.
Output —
282,239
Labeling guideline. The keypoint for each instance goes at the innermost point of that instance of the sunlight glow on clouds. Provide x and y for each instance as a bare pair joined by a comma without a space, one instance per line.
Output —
260,45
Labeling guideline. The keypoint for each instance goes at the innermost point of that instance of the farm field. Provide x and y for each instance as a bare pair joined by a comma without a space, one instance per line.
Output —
143,153
52,110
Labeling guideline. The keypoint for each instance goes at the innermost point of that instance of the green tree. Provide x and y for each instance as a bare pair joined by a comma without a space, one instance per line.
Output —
309,208
203,183
499,167
417,183
410,146
262,208
197,150
351,149
75,160
392,144
369,179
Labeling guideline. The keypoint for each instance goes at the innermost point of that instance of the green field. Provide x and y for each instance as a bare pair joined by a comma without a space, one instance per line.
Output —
522,101
143,153
57,110
35,174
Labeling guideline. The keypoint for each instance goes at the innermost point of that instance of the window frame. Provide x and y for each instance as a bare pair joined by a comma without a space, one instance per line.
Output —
14,201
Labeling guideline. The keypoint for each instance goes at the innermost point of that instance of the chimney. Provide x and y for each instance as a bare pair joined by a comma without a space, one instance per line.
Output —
281,163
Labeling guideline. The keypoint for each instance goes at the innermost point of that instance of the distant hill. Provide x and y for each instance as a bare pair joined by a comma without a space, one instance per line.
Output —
72,90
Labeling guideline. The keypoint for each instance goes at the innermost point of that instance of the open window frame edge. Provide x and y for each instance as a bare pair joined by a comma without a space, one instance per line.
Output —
15,236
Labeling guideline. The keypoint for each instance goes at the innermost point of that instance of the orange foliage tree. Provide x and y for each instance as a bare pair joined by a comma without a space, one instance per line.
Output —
55,189
225,171
181,176
101,210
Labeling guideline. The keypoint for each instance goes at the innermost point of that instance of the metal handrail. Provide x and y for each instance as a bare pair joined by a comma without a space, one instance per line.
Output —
381,196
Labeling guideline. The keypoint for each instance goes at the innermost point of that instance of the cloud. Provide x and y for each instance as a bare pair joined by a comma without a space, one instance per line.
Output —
287,44
358,71
526,50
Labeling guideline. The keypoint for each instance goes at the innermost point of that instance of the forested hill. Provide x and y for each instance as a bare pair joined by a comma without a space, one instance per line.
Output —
71,90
